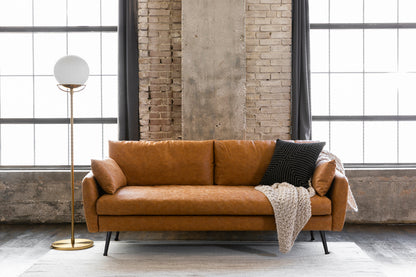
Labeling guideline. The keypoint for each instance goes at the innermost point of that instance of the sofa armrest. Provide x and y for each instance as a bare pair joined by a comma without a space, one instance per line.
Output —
90,195
338,195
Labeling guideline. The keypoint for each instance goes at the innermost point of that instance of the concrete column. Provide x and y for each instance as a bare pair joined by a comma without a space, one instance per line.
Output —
213,69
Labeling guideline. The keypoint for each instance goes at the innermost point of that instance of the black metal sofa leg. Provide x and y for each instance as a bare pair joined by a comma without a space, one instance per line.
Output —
312,237
107,243
323,238
117,236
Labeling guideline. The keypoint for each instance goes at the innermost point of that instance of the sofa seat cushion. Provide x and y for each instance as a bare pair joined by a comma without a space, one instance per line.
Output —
194,200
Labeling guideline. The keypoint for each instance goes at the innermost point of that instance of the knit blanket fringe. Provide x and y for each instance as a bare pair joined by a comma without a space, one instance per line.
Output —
292,210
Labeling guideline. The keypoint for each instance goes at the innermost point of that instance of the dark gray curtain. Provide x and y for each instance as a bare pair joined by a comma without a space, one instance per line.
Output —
301,96
128,72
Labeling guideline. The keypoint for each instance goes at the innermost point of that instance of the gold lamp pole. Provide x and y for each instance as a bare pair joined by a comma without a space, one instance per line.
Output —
71,72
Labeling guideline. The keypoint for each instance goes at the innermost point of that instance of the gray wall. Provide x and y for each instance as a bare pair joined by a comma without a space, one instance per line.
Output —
383,196
39,196
213,69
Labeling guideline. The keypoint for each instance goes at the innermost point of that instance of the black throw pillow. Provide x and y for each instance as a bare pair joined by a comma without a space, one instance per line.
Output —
293,163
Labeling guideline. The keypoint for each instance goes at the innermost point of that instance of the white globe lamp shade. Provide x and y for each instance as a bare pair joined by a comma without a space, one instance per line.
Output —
71,70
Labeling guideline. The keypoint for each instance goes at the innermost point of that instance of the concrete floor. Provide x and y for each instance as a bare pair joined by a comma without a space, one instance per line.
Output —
392,246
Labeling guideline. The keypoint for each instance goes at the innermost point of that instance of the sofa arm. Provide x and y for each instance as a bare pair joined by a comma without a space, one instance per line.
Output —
90,195
338,195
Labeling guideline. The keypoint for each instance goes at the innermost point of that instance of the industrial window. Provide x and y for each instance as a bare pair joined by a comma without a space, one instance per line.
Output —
363,80
34,113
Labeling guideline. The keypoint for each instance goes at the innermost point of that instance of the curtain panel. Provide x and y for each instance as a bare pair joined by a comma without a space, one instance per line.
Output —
301,76
128,70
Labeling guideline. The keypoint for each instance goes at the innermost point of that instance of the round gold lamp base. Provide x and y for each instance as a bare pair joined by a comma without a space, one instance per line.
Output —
67,245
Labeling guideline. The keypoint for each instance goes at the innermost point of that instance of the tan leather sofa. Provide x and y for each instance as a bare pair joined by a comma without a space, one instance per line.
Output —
197,186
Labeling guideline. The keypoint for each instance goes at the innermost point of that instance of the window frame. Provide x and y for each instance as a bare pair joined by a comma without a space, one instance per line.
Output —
53,120
364,118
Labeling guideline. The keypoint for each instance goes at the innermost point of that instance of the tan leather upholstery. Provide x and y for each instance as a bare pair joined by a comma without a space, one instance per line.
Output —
323,176
109,175
176,191
194,200
90,194
186,223
242,162
338,195
202,223
165,162
321,223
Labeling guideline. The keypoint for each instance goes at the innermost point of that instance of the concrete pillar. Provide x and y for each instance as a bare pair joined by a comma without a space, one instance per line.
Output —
213,69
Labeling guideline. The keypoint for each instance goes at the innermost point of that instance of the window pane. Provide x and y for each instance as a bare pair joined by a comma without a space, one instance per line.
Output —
87,46
319,50
16,13
347,141
84,13
347,94
15,54
407,53
50,101
28,88
87,143
407,94
110,133
380,50
87,103
110,53
320,93
346,50
17,144
380,11
320,131
380,94
318,11
110,96
51,142
49,12
407,11
109,12
343,11
16,96
380,142
407,149
49,47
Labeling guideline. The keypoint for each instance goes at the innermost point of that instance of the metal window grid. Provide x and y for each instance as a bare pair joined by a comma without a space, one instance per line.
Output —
36,121
364,118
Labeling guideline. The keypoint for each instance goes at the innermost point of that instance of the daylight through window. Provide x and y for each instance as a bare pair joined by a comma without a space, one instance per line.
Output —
363,64
34,125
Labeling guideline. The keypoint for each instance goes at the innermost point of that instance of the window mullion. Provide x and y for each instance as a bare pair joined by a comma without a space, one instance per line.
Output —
33,82
363,137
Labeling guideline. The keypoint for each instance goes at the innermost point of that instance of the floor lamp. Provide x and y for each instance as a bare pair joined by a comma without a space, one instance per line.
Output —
71,72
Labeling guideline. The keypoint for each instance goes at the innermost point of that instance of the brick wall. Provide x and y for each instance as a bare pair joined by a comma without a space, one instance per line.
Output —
268,39
268,44
160,69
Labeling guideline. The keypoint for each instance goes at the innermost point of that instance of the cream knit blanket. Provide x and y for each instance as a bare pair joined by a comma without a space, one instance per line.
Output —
292,210
292,205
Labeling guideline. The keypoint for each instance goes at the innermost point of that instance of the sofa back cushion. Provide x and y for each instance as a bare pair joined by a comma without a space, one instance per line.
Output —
165,162
242,162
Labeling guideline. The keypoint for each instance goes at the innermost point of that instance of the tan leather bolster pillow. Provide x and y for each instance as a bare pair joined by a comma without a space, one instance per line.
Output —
323,176
108,174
